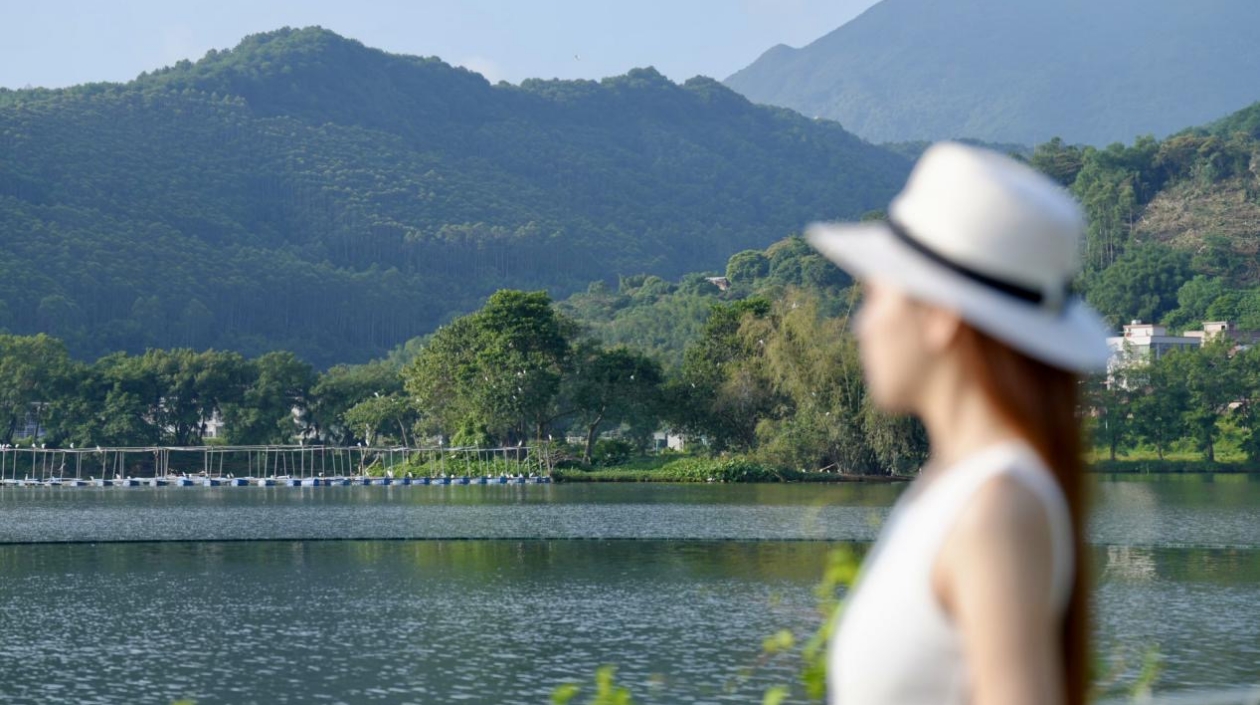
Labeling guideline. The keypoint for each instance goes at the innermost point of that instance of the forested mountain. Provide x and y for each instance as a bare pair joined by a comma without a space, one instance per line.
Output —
1173,237
1020,71
304,192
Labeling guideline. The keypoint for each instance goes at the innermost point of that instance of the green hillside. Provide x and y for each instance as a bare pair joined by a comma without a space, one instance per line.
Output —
307,193
1173,237
1020,71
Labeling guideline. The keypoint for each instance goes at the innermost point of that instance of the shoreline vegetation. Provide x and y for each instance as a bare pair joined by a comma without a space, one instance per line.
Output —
686,469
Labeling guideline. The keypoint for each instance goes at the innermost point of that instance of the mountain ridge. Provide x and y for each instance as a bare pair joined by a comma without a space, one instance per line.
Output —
1018,70
244,202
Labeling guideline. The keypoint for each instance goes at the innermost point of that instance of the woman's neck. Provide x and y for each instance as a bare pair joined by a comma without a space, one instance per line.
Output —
960,420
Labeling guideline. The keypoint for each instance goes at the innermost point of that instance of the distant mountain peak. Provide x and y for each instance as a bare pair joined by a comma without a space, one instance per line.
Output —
317,74
1020,71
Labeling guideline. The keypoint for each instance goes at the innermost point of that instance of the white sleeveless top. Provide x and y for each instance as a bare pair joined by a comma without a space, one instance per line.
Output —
895,644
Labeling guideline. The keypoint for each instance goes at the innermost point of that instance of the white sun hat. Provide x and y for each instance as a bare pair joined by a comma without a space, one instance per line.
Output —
980,233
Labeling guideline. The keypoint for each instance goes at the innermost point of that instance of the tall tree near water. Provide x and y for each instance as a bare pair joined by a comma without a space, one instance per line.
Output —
610,387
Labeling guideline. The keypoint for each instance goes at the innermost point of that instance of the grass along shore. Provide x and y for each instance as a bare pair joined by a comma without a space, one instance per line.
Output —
679,469
674,468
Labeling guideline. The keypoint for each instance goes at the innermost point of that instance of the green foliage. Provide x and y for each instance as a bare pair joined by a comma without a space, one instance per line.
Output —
518,369
608,452
33,370
610,387
747,266
661,318
607,692
1143,285
385,418
168,397
1246,121
303,192
1059,161
339,389
1209,377
280,383
1160,214
731,469
498,369
1184,398
1110,423
1194,300
690,469
785,383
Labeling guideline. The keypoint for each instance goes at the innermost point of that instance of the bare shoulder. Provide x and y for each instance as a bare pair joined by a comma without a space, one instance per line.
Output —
1004,508
999,547
993,579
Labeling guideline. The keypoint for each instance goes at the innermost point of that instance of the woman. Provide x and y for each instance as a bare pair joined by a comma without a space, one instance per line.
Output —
975,592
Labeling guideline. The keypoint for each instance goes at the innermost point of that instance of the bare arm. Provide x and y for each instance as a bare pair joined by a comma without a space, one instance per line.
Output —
993,578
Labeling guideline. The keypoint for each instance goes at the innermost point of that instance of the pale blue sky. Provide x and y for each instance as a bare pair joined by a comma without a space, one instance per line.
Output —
56,43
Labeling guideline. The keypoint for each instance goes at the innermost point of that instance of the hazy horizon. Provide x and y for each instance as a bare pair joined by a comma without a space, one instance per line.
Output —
68,42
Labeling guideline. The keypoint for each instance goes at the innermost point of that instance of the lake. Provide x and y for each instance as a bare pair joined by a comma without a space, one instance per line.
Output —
496,594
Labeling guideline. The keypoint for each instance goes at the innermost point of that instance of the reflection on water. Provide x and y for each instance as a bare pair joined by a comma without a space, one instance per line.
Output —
1197,605
471,621
505,620
491,511
1178,510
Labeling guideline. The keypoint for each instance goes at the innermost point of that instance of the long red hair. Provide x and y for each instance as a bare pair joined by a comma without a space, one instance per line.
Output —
1040,402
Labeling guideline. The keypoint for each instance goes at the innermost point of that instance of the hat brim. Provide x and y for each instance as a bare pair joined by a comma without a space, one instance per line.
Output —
1074,339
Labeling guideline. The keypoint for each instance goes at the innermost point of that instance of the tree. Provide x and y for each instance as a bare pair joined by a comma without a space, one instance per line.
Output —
496,371
523,355
1142,285
744,267
278,391
609,388
1159,403
383,416
825,419
1211,384
33,370
339,389
720,393
438,379
1247,375
1194,299
1108,400
1057,160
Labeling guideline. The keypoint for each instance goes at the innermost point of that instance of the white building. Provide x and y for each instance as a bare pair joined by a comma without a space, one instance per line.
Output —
1145,342
669,440
1216,329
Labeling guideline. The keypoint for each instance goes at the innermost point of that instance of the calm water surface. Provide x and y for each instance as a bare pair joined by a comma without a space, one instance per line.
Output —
497,594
